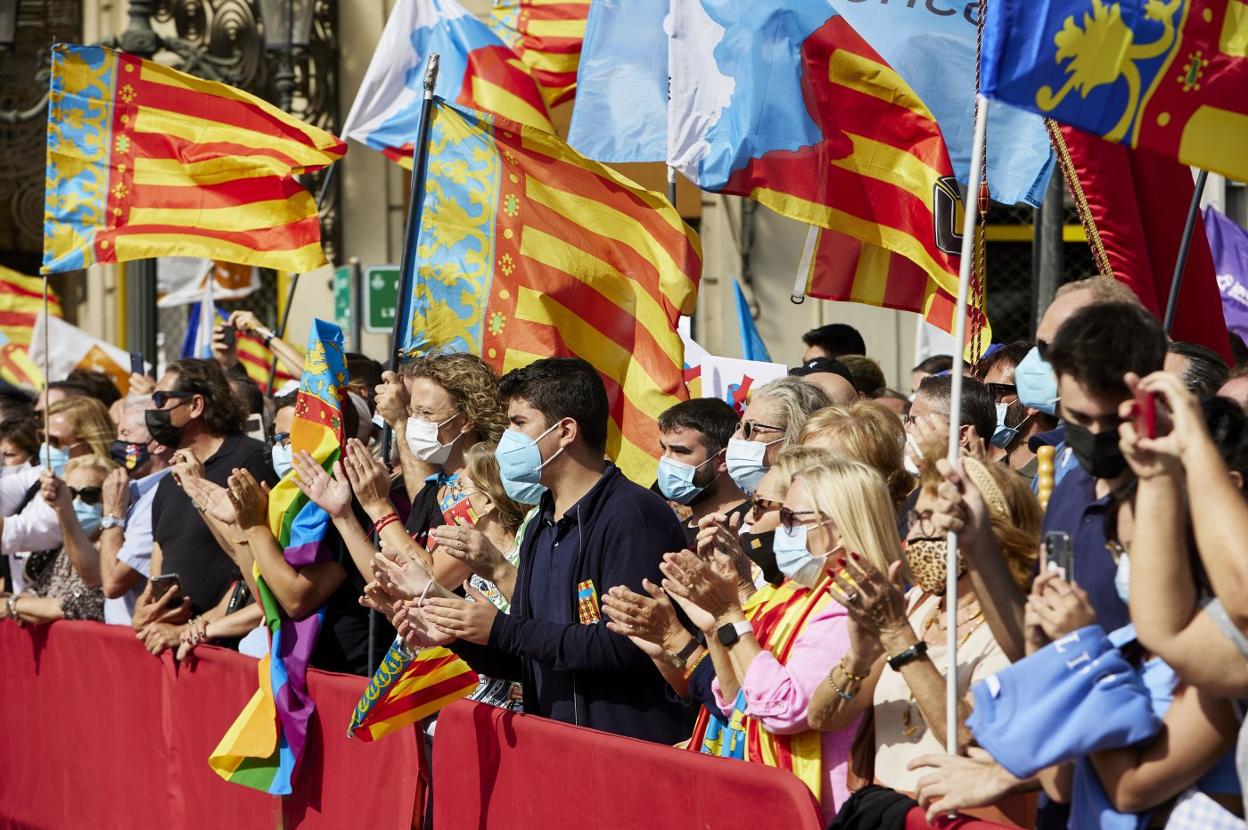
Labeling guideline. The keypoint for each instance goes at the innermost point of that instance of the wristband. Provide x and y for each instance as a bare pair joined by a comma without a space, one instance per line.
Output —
389,518
908,656
688,673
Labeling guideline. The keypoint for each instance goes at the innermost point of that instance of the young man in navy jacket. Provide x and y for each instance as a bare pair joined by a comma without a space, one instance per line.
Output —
594,529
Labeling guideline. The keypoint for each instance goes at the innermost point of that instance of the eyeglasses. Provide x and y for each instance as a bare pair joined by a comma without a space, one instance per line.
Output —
281,439
761,505
749,428
89,495
1002,390
922,519
161,398
790,519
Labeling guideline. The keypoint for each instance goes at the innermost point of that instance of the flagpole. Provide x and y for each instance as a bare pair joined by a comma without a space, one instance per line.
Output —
1172,303
47,377
294,284
955,416
671,185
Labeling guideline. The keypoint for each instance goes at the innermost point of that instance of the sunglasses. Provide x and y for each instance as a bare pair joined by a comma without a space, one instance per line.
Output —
762,505
161,398
923,521
1002,390
89,495
790,519
751,428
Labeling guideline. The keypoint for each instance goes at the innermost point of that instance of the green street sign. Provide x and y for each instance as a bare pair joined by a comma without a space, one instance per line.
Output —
381,297
342,296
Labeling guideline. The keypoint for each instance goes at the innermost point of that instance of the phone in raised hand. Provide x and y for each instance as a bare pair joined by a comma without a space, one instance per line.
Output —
1059,554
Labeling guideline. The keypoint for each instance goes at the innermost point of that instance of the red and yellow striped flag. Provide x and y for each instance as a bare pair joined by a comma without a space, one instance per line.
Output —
145,161
21,301
558,256
547,35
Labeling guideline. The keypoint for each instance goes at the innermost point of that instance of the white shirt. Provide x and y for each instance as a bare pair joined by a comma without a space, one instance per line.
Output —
34,528
136,546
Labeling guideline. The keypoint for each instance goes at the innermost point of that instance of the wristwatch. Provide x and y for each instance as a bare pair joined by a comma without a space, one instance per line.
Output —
730,633
679,658
113,521
908,656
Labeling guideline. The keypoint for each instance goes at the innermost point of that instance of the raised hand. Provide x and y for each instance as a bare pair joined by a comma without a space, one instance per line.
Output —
116,493
648,621
401,574
705,590
391,399
469,545
53,490
1059,607
460,618
186,466
960,507
330,493
874,601
212,499
369,479
250,499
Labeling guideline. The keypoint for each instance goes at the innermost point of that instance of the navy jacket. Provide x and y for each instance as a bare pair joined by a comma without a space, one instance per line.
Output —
624,530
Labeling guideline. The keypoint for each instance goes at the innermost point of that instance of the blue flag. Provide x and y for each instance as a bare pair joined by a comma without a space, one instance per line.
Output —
621,85
932,47
752,345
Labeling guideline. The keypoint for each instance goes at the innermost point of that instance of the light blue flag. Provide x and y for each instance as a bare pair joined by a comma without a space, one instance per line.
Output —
621,85
932,46
752,345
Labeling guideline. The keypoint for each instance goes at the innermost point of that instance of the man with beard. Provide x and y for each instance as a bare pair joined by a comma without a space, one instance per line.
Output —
693,472
1016,423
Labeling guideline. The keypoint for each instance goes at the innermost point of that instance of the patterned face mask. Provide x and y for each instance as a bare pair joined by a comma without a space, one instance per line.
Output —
926,557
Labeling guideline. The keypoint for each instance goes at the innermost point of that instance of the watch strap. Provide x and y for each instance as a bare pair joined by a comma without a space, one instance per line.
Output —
684,654
908,656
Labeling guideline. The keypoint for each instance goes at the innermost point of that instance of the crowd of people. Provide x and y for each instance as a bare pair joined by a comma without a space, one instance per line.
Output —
776,595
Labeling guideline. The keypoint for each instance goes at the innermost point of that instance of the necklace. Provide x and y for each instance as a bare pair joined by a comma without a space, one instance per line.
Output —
969,618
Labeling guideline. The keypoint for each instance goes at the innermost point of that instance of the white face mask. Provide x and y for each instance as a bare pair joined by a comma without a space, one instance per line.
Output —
422,440
746,463
911,455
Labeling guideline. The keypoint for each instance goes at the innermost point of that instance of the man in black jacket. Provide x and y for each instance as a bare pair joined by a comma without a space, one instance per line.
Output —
595,529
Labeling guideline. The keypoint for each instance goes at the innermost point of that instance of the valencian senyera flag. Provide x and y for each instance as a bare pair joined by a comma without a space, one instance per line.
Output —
476,69
527,250
547,36
145,161
783,102
1165,75
262,748
409,687
21,301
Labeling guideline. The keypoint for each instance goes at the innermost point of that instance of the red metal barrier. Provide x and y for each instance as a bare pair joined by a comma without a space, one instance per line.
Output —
95,732
497,769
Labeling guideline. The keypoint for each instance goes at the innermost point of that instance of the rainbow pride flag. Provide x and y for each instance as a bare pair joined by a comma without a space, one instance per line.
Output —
407,688
262,749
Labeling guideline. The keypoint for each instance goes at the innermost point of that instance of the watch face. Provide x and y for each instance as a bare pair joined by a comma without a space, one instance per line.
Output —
728,635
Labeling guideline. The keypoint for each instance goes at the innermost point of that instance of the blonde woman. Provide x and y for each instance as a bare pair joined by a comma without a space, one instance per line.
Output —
868,432
896,659
770,653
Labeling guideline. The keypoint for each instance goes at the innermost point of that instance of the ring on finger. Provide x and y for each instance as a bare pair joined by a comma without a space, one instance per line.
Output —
851,596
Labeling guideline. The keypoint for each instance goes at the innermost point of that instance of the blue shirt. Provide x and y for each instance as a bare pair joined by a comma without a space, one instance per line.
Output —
1074,508
136,546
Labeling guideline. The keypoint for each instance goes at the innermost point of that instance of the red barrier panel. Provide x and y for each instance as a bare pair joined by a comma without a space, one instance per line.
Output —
499,769
95,732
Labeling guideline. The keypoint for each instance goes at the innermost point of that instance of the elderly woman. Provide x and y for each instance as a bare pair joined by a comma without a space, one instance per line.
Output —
868,432
773,420
770,653
896,656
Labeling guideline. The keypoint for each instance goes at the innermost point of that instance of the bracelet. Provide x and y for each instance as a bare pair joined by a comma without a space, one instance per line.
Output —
850,676
843,695
908,656
12,606
689,671
389,518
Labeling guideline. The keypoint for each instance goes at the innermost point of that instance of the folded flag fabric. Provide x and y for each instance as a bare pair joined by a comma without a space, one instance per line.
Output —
621,85
262,748
409,687
783,102
145,161
1166,76
70,348
752,345
526,249
1228,243
547,36
932,47
476,69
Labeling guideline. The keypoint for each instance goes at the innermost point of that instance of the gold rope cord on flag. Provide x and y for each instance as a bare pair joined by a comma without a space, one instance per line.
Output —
979,266
1081,201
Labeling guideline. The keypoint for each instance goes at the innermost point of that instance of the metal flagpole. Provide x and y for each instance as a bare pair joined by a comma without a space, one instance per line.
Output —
47,377
1172,302
407,266
294,283
955,417
671,185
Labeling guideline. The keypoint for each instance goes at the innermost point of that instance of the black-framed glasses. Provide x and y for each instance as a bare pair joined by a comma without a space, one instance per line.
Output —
922,519
790,519
750,428
1002,390
163,397
89,495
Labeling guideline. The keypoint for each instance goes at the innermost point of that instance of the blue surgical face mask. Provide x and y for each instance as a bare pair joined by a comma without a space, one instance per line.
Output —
57,456
520,460
1003,436
676,479
745,462
283,459
88,515
1122,576
794,558
1036,383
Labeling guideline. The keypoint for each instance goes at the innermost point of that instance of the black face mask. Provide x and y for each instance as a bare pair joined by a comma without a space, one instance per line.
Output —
1098,453
160,425
758,549
129,455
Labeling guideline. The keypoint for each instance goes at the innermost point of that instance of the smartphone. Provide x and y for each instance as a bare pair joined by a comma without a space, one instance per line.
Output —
163,584
1145,413
229,335
1059,554
136,363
